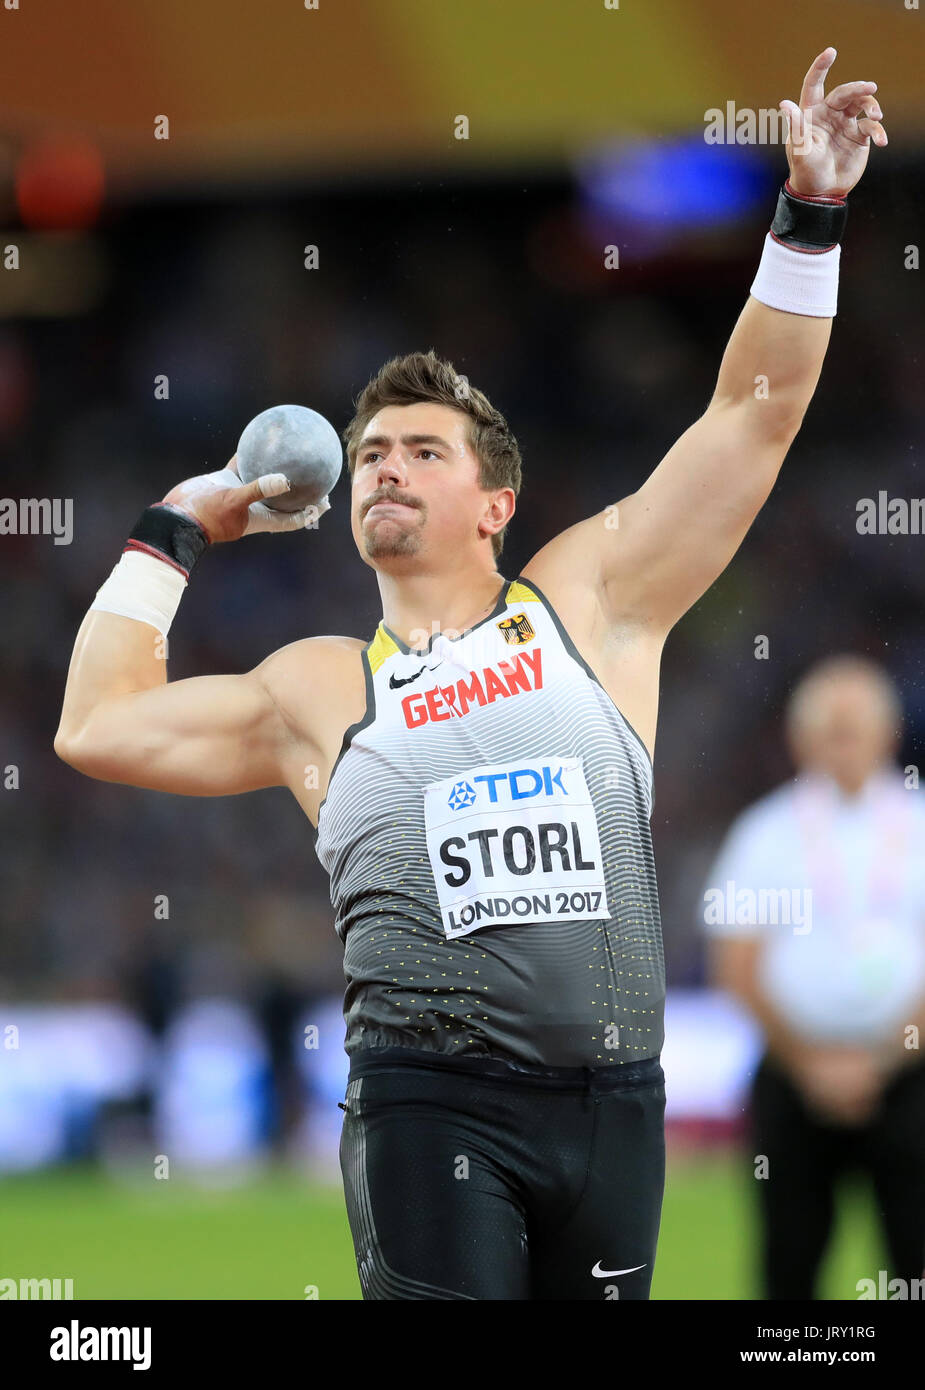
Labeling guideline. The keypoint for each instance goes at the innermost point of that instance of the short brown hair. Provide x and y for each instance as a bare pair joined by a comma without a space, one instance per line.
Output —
423,376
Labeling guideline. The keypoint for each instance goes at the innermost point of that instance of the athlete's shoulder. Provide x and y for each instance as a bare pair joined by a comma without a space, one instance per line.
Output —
313,682
564,592
312,663
315,648
568,587
310,652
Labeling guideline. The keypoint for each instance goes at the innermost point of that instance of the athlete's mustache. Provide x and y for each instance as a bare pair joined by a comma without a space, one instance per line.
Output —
388,497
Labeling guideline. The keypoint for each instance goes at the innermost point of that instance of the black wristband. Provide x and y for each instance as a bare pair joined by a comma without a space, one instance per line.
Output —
808,224
169,534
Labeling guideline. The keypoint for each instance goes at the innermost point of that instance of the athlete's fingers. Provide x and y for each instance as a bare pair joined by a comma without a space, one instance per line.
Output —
813,89
267,485
260,517
871,125
876,132
847,97
795,116
264,518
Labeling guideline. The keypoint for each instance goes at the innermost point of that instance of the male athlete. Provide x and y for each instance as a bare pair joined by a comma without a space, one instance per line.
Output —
485,776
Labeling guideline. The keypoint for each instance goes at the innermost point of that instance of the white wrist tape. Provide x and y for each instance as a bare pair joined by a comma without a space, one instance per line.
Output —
798,282
143,588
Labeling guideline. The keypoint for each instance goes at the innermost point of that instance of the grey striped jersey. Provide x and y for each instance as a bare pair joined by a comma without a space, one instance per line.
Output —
486,832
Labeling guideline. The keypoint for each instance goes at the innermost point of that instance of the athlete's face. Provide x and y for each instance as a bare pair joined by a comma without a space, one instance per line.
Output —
416,490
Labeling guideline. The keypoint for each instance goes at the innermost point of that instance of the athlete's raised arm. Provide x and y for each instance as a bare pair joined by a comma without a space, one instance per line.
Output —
650,557
208,736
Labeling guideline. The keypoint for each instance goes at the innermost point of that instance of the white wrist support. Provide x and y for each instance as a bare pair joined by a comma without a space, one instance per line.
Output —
142,588
798,282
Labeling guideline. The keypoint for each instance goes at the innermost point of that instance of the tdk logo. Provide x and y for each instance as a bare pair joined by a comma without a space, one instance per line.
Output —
524,782
461,796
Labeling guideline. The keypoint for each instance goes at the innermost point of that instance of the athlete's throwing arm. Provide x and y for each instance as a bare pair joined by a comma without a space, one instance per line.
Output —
211,735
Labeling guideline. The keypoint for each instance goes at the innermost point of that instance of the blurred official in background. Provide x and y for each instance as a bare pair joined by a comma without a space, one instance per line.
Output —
815,908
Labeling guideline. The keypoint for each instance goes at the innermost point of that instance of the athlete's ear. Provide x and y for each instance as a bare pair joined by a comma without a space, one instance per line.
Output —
500,509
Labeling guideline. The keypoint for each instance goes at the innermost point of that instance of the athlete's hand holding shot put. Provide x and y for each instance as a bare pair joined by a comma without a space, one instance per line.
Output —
209,736
484,775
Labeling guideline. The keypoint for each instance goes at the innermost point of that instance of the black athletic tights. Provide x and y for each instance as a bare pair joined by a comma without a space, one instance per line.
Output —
468,1178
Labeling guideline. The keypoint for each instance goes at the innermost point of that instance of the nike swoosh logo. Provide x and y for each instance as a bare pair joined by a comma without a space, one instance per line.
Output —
609,1273
396,681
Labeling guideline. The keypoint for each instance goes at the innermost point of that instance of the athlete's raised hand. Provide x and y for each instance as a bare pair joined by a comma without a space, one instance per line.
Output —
228,508
830,136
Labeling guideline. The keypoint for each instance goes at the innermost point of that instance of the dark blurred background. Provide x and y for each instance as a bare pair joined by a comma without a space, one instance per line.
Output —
334,128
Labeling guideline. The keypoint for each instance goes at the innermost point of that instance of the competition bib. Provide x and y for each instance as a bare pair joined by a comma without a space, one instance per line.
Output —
514,842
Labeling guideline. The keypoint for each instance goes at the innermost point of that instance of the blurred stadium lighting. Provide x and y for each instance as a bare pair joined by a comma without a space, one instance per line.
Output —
60,183
658,190
212,1107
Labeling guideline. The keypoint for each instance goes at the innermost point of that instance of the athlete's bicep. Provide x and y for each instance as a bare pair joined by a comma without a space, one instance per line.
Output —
205,736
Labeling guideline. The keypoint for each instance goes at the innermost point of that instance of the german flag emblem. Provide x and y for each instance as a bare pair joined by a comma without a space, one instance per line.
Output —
517,630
